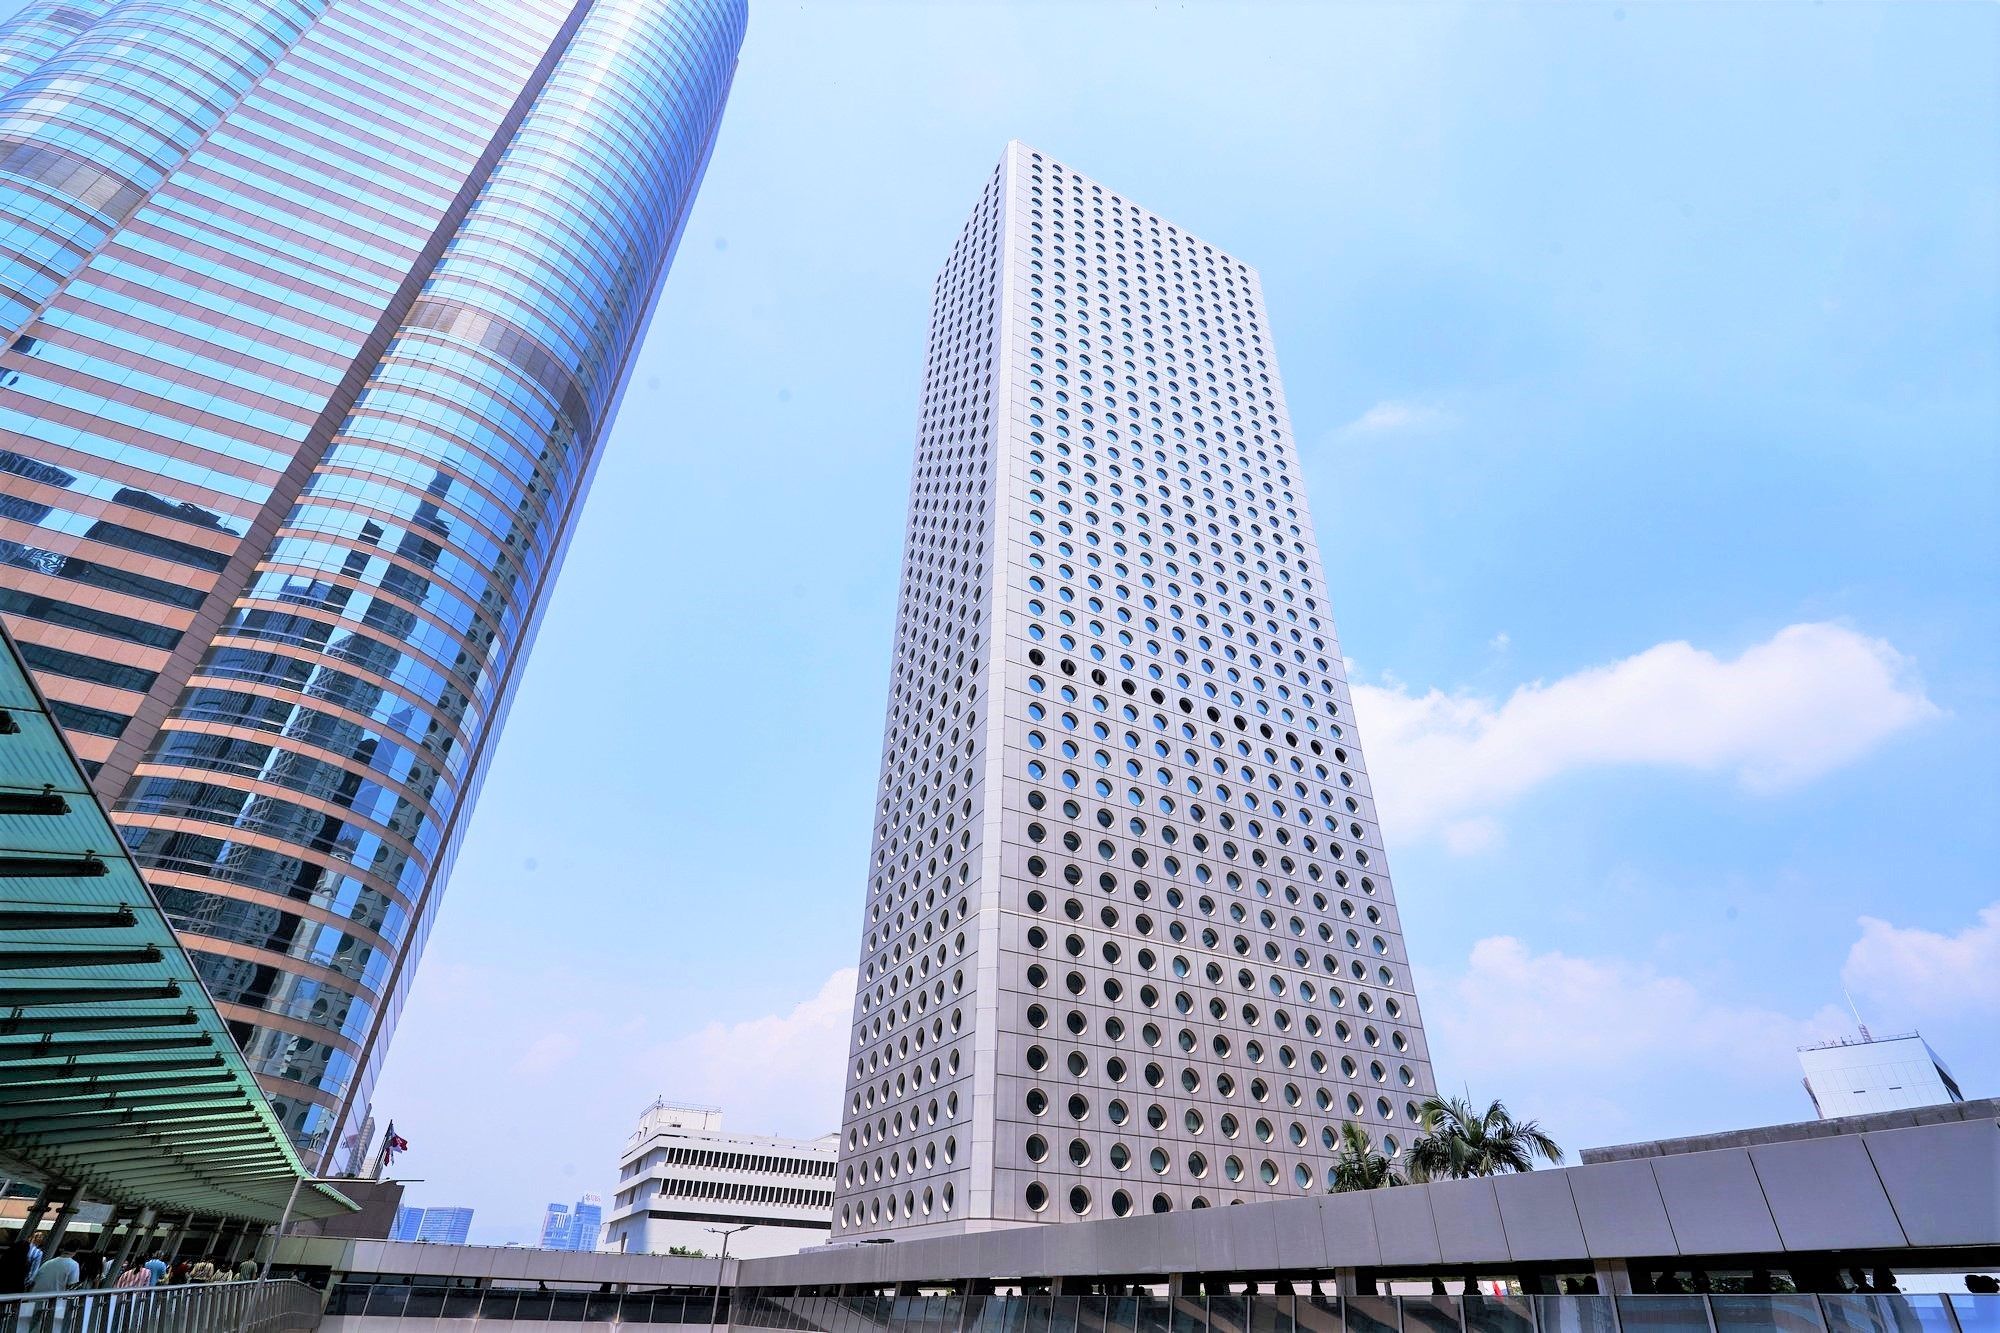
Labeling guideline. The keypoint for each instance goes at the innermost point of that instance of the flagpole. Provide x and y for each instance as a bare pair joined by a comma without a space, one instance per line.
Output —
386,1153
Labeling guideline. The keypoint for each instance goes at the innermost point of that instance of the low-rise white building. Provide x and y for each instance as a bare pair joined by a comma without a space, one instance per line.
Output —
681,1173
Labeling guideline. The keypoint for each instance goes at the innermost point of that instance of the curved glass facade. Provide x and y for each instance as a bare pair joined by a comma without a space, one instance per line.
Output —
291,446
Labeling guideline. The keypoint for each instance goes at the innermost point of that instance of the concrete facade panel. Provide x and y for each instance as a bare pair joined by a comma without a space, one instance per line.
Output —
1539,1216
1715,1203
1347,1221
1620,1209
1944,1180
1824,1194
1404,1227
1467,1217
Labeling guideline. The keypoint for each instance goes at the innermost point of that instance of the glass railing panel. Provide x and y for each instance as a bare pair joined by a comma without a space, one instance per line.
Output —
1154,1314
1863,1312
1976,1313
426,1302
1662,1314
1499,1314
533,1304
1098,1314
1228,1314
1121,1314
387,1302
1317,1314
1271,1314
1189,1315
983,1314
460,1303
1575,1314
1432,1314
1754,1313
498,1302
1064,1313
1373,1314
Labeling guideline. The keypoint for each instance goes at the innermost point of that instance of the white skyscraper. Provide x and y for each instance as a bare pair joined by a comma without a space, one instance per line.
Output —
1130,943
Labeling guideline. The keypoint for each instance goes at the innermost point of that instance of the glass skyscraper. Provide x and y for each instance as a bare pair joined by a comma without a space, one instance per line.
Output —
315,313
1129,941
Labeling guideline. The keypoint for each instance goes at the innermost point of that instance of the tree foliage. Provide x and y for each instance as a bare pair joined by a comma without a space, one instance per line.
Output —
1459,1142
1359,1165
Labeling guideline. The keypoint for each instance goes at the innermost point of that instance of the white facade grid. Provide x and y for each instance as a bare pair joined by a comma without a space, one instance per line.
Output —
1131,943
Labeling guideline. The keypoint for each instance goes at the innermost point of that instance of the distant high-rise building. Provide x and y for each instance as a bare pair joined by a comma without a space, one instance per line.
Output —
1130,943
555,1227
681,1173
1854,1076
586,1222
566,1228
445,1226
409,1222
313,317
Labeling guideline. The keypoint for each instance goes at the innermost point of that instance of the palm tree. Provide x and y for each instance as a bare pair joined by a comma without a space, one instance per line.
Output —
1359,1166
1459,1142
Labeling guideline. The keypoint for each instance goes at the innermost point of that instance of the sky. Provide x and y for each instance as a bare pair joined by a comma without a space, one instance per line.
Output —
1644,367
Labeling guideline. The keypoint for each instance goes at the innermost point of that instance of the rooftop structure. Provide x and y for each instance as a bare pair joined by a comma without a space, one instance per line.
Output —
681,1174
1857,1075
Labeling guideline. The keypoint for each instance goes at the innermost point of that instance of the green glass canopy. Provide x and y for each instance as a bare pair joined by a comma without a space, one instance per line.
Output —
117,1074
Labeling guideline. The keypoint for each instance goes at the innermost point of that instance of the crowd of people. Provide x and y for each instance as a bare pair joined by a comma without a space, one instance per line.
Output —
26,1270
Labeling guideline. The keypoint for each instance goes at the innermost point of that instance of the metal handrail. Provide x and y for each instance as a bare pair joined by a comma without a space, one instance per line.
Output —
271,1306
421,1300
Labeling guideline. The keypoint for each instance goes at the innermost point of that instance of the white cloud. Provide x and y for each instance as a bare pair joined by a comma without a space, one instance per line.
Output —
1482,833
546,1054
1390,415
1606,1050
1810,699
778,1074
1925,974
1512,1006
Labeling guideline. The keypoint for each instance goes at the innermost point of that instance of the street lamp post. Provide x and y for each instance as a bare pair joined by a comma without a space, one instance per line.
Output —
725,1233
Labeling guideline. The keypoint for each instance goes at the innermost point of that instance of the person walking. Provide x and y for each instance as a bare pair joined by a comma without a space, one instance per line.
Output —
246,1271
203,1271
58,1272
135,1275
157,1267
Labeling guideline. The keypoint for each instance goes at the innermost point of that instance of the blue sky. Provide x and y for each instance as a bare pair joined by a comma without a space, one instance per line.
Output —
1644,364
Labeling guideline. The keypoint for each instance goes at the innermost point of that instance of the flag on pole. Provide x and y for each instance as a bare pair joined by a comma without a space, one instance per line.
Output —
392,1143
